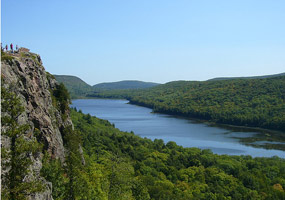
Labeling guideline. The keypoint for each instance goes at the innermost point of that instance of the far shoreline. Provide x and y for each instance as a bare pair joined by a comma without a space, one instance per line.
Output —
208,122
263,133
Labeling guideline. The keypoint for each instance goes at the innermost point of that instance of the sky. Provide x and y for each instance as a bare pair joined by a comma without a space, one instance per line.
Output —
150,40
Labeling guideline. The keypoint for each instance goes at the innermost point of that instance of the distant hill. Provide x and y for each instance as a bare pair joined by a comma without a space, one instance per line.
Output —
76,87
258,102
125,85
247,77
79,89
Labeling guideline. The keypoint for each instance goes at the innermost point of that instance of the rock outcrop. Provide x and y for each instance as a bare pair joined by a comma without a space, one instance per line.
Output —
24,74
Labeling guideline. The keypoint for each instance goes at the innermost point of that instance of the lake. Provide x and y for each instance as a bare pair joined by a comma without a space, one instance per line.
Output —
185,132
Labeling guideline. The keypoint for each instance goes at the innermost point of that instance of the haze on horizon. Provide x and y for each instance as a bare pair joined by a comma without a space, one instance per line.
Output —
154,41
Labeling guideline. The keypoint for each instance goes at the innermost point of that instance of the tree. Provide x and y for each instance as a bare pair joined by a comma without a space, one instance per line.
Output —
17,158
62,98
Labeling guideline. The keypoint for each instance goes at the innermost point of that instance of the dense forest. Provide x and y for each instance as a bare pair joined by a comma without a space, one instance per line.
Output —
242,102
247,77
79,89
76,87
124,85
104,163
120,165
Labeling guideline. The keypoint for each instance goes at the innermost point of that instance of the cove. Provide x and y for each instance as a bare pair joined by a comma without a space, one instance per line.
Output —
185,132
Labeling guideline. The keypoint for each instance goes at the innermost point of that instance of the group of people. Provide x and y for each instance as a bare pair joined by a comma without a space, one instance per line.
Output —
11,48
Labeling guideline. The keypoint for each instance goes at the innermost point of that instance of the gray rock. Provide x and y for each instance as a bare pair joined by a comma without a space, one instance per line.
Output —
26,76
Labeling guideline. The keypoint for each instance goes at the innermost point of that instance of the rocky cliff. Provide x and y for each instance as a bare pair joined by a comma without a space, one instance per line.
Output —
23,74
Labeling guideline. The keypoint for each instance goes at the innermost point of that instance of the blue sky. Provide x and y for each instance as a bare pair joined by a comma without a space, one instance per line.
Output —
150,40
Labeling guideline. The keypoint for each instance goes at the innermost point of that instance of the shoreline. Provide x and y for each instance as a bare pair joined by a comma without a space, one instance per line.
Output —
208,122
211,123
258,137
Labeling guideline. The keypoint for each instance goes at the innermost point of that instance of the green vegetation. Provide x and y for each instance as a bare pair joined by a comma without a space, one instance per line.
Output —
61,98
242,102
6,58
33,56
120,165
120,85
50,76
16,158
248,77
79,89
102,162
76,87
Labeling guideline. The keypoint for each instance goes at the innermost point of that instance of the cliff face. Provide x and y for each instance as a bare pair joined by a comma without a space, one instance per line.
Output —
24,74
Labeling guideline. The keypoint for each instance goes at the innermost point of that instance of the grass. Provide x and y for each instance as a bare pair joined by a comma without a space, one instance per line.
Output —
6,58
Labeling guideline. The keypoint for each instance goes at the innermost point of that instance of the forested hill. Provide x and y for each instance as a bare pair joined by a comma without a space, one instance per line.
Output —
76,87
125,85
79,89
247,77
122,165
244,102
49,151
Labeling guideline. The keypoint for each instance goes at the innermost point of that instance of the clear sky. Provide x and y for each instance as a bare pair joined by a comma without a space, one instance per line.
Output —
150,40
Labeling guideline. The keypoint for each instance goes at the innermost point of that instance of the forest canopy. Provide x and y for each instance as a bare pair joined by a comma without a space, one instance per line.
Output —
242,102
121,165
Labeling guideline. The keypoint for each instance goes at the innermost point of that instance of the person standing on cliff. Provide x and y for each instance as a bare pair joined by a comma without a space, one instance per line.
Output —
11,46
17,48
6,47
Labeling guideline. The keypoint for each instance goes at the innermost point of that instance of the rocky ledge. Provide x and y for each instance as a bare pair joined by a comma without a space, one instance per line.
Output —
23,73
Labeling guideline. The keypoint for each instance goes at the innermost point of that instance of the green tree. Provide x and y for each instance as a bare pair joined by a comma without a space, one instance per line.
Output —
73,161
62,98
120,179
53,171
17,158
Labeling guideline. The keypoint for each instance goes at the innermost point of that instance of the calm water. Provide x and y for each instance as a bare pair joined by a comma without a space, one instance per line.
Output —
187,133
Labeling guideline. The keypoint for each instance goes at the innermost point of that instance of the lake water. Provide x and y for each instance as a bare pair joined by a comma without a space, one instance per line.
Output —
185,132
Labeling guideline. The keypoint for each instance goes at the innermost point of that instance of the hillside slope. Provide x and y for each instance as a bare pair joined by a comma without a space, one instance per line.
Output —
243,102
97,161
247,77
79,89
76,87
125,85
138,168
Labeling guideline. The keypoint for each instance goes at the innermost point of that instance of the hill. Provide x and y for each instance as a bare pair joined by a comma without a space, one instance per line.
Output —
125,85
49,151
138,168
248,77
76,87
243,102
79,89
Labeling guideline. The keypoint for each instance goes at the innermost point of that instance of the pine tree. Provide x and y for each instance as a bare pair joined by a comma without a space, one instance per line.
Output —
73,162
16,160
